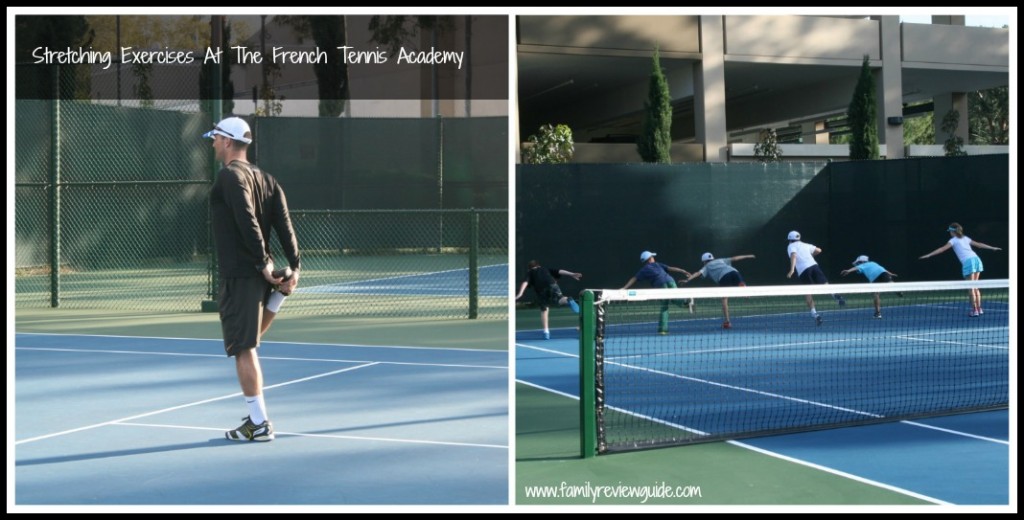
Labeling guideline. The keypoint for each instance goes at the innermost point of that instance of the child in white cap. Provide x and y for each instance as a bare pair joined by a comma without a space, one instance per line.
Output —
721,271
801,260
657,274
872,271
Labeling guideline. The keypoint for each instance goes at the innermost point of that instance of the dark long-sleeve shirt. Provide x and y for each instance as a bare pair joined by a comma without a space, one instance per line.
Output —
245,203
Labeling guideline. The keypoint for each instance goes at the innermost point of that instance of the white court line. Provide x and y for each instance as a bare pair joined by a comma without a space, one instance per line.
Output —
793,345
843,474
546,389
731,387
824,342
957,432
186,405
547,350
413,275
748,390
262,342
940,332
783,457
620,410
328,436
960,343
100,351
777,456
802,401
783,346
273,358
915,337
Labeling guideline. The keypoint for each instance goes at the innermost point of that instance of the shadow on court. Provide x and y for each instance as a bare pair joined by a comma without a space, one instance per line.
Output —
212,443
420,418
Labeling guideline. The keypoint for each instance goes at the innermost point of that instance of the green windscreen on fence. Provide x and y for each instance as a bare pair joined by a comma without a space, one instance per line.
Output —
117,198
892,211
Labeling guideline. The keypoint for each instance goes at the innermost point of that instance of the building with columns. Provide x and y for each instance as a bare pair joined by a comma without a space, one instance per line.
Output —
732,76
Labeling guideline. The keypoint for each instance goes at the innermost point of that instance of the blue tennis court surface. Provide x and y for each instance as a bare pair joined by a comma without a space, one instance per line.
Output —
493,281
701,379
779,372
127,420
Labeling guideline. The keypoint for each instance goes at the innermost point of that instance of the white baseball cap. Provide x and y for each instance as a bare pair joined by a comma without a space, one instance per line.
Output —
794,235
707,257
646,254
232,128
862,259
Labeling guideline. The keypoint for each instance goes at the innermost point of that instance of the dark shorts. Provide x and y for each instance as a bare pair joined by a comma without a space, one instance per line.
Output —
813,275
549,297
884,277
241,311
732,279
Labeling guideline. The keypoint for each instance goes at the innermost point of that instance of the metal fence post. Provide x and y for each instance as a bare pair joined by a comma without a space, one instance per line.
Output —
55,192
474,261
216,107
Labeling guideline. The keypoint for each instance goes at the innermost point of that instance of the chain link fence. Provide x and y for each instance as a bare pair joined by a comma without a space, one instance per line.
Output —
401,263
111,212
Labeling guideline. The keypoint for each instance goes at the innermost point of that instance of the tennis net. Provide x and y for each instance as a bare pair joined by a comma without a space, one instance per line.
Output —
777,368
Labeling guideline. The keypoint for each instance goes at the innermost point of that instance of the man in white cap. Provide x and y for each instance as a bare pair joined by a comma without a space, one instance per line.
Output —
657,274
245,204
721,271
872,271
801,260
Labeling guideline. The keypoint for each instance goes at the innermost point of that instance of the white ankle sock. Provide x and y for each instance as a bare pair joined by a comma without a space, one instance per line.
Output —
257,409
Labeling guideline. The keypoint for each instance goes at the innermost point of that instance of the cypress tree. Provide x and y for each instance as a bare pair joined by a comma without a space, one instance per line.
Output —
862,115
655,138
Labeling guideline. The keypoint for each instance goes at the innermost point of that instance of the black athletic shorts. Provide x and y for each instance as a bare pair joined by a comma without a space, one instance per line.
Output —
549,297
241,311
732,279
813,275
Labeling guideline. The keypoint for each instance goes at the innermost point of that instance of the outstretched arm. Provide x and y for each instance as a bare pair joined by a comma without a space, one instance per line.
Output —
677,270
574,276
691,277
937,251
630,283
741,257
522,289
890,273
848,271
975,243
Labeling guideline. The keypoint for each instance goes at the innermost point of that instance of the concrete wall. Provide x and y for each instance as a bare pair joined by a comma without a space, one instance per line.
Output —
801,37
955,45
671,33
936,150
743,152
626,153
